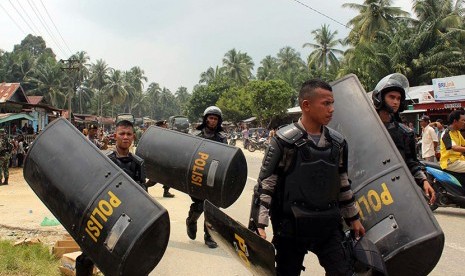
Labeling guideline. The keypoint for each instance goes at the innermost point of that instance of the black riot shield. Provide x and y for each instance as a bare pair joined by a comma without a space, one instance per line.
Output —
122,229
254,252
392,206
199,167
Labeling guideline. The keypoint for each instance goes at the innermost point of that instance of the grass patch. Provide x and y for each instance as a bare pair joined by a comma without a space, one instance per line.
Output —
27,260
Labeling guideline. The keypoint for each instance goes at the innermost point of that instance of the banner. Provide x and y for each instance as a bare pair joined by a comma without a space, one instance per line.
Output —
449,89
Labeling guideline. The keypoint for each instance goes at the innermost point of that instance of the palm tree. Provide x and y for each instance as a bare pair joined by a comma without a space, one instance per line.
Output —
134,78
78,77
210,75
182,97
375,15
153,94
98,79
324,53
238,66
289,59
48,78
269,68
116,88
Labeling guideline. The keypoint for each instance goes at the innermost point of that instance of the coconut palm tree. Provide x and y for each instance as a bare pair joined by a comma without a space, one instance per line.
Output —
153,94
288,59
238,66
116,88
324,54
374,15
98,79
134,78
49,79
211,74
269,68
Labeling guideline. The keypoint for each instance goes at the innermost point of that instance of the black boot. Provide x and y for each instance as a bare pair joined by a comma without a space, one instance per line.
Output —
209,241
191,223
6,181
167,193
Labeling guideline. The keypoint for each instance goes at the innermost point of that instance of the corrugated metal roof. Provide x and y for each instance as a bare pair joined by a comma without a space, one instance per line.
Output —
7,90
34,99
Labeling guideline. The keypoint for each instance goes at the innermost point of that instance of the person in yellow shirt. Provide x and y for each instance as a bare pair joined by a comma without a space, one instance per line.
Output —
453,144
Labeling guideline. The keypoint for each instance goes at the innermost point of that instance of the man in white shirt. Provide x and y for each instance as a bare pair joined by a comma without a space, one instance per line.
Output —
429,140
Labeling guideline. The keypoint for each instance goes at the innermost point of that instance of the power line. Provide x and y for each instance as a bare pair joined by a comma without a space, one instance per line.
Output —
327,16
44,24
12,19
30,19
50,18
22,17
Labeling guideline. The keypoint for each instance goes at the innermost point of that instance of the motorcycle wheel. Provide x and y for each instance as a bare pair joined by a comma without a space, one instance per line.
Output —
251,147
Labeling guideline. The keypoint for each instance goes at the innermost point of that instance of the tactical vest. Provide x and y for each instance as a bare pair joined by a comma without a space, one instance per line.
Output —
401,138
132,165
313,182
218,137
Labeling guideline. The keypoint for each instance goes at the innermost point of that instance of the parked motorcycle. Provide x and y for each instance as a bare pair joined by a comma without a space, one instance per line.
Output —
233,138
447,185
254,144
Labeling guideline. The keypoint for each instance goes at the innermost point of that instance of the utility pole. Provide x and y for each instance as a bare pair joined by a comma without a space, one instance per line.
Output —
70,65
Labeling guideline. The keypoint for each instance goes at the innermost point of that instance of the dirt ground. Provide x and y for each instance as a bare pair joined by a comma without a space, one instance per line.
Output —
22,212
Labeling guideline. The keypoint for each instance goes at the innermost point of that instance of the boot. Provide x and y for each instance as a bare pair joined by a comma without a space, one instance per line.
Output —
166,193
6,181
209,241
191,223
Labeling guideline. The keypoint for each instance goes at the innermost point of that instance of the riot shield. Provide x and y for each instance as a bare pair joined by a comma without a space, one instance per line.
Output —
393,208
122,228
254,252
199,167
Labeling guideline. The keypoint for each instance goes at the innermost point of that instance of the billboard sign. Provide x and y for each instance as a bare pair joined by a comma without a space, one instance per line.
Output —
449,89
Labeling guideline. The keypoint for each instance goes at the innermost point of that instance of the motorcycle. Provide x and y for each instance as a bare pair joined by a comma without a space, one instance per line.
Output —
254,144
233,138
447,185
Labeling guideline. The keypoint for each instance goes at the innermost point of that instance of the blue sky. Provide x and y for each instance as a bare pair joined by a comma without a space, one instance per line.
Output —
173,41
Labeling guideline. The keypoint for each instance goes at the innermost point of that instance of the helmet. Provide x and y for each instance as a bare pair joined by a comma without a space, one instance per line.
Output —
392,82
213,110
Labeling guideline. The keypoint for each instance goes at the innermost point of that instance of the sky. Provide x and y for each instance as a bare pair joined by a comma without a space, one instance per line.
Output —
172,41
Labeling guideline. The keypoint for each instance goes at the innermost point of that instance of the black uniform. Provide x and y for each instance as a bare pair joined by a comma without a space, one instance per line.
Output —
303,184
133,166
404,139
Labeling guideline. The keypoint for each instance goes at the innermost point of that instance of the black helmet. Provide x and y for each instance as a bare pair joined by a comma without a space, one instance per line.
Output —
392,82
212,110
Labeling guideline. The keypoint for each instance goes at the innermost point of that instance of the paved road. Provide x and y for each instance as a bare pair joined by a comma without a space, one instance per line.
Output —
186,257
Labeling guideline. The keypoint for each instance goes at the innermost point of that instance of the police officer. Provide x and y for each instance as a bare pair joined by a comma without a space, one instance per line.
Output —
303,186
389,100
209,129
92,136
131,165
5,152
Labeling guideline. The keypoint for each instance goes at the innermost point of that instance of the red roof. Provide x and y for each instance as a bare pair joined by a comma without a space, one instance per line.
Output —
7,90
34,99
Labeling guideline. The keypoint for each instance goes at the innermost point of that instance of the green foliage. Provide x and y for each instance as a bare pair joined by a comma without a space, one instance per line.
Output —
236,104
27,260
270,99
204,96
383,40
